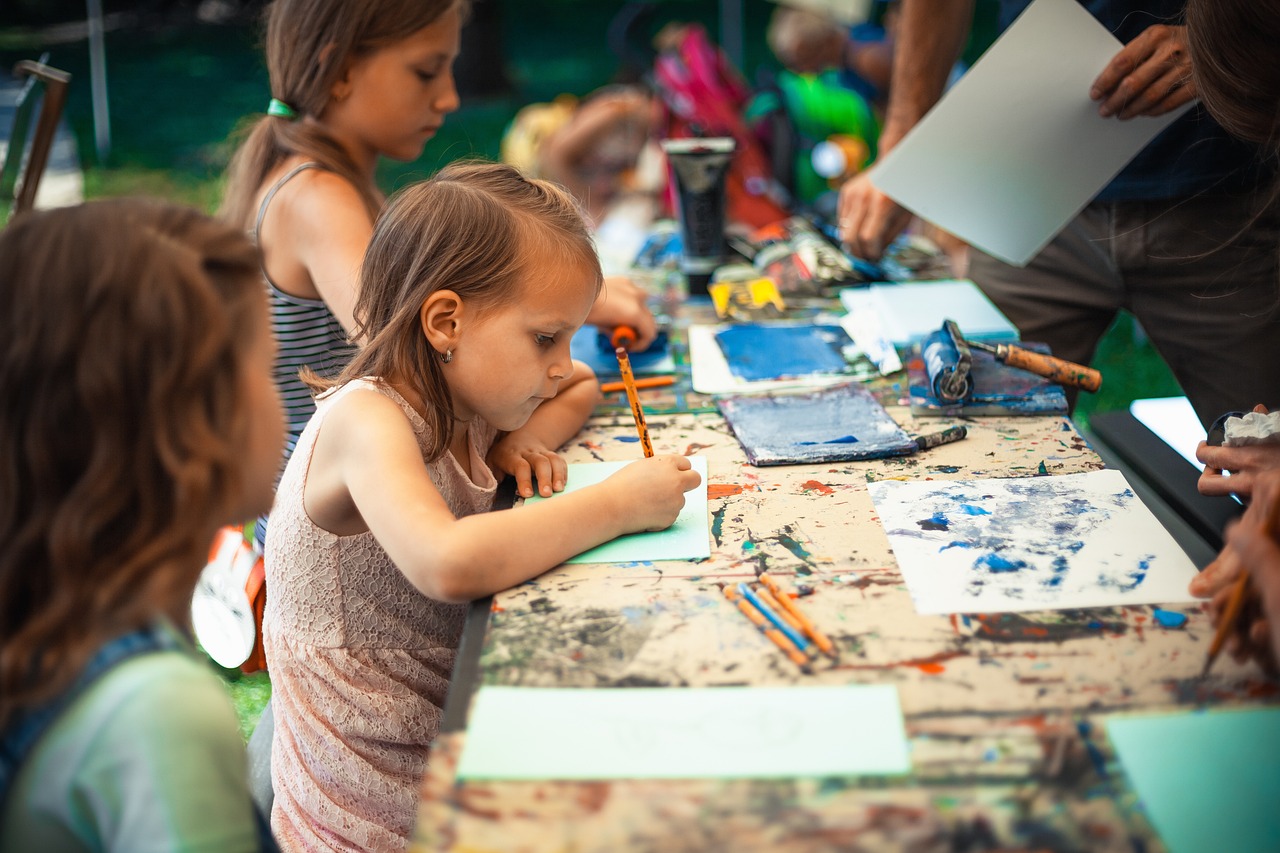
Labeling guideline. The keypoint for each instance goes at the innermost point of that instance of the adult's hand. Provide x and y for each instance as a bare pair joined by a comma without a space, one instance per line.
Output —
1150,76
869,219
1245,463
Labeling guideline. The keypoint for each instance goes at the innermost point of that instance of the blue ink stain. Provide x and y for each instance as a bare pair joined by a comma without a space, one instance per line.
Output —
748,546
1042,471
970,509
1060,567
965,620
957,544
629,439
994,562
946,469
1170,619
937,522
990,755
1095,625
844,439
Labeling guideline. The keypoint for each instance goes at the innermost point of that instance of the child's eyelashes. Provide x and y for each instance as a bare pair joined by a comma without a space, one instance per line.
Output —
544,340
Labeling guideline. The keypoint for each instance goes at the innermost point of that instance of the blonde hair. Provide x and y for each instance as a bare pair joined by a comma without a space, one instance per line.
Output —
794,32
123,326
309,44
468,230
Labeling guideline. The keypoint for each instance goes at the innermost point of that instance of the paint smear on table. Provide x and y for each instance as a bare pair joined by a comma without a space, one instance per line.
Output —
688,539
837,424
1036,543
684,733
758,351
1209,780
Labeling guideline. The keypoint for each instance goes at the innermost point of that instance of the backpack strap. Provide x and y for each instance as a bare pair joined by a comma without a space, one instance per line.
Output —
20,737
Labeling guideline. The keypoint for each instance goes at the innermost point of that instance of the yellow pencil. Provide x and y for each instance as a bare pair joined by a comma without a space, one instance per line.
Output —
779,639
629,380
819,638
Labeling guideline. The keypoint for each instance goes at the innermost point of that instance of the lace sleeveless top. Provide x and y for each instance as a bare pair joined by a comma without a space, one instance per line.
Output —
359,659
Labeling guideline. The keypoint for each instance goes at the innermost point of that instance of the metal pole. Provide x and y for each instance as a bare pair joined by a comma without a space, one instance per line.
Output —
98,81
731,32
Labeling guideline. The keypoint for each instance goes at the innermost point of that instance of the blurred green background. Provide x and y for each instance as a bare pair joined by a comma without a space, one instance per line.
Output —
182,75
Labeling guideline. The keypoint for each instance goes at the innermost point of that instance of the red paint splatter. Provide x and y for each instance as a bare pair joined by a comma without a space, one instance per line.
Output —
1036,632
722,490
931,668
815,486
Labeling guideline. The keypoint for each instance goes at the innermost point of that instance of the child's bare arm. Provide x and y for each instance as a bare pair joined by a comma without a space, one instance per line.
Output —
333,230
367,474
529,453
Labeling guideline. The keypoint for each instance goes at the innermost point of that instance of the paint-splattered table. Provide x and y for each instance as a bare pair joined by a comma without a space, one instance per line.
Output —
1003,712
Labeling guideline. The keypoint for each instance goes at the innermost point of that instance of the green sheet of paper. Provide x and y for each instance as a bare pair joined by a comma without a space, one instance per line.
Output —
1209,780
688,539
684,733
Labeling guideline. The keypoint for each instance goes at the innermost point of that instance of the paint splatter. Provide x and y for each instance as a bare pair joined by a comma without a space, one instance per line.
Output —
938,521
815,486
722,490
1169,618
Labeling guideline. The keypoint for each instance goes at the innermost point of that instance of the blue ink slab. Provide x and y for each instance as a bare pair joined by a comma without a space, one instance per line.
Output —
840,423
756,351
592,347
998,389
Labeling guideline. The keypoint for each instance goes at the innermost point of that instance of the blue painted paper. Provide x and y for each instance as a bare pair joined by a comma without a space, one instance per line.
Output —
836,424
1001,545
1209,780
592,347
756,351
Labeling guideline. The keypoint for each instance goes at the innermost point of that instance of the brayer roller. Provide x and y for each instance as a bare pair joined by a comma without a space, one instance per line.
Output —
948,369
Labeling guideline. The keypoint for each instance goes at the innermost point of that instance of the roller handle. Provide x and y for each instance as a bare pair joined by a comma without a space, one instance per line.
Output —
623,336
1059,370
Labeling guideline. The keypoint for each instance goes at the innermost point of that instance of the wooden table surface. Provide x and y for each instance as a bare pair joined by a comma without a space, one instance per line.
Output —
1004,712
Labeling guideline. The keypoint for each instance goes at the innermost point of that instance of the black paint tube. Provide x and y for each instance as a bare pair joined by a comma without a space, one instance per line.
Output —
700,166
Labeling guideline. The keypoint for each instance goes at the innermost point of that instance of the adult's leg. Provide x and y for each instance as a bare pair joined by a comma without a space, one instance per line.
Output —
1205,283
1067,295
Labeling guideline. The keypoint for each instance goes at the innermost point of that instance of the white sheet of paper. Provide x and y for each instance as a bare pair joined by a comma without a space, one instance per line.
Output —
1016,148
1031,543
684,733
688,539
911,311
711,374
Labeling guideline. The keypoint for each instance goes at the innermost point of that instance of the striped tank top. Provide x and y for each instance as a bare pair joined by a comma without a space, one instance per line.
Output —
307,334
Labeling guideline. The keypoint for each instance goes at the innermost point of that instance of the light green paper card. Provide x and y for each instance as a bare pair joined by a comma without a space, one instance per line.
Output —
688,539
684,733
1209,780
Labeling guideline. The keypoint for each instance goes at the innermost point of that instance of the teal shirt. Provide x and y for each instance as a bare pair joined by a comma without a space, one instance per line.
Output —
150,758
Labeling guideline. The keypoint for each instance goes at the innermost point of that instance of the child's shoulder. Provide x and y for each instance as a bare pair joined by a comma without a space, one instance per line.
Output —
365,408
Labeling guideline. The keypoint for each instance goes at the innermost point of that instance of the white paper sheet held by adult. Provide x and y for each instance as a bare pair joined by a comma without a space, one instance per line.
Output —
1016,148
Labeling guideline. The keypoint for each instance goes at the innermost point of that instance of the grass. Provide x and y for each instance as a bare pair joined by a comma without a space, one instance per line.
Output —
178,90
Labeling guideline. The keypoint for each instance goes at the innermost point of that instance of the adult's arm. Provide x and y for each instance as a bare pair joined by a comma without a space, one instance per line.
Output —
930,37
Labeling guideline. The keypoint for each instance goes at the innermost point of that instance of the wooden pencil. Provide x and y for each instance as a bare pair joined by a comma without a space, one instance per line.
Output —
820,639
629,380
778,607
779,639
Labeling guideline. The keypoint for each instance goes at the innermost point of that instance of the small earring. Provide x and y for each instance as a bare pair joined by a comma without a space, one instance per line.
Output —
446,356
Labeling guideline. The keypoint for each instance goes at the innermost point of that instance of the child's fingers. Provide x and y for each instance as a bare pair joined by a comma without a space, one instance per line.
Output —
542,470
559,472
523,474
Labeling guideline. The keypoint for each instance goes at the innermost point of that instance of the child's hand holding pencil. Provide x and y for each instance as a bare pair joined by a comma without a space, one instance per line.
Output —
1245,582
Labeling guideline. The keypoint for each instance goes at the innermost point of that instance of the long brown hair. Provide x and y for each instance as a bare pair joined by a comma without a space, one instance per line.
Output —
467,230
123,329
308,45
1233,46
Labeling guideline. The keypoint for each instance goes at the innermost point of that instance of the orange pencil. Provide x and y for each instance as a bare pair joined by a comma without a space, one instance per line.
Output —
779,639
624,364
787,616
820,639
1230,614
646,382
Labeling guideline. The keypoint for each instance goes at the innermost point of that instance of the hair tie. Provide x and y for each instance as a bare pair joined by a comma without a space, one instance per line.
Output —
279,108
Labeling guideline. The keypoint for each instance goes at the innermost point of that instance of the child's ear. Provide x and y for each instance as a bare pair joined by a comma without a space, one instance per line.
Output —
342,83
440,319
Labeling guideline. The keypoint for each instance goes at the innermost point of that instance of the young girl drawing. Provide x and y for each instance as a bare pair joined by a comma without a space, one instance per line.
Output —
139,416
351,82
473,284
